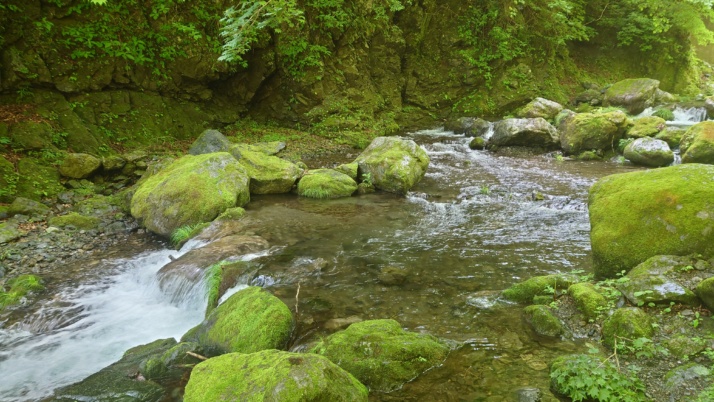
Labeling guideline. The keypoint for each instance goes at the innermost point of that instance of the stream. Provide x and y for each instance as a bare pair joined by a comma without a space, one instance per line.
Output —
477,223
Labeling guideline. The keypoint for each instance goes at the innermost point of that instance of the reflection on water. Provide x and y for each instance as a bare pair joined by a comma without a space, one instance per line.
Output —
477,223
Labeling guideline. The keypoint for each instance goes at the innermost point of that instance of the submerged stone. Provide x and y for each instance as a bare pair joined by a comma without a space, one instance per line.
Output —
272,375
382,355
249,321
543,321
393,164
637,215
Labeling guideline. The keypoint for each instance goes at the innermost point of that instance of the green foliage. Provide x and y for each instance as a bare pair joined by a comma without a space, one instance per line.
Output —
184,233
666,114
18,288
583,377
318,193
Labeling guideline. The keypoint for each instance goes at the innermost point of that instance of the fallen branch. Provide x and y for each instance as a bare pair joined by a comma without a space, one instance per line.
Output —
297,300
197,356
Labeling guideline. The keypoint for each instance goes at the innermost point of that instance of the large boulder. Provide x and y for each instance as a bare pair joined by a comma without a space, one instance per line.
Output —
540,107
637,215
120,381
393,164
381,354
272,375
249,321
26,206
650,152
268,174
79,166
591,131
326,183
468,126
536,133
634,94
697,144
191,190
648,126
208,142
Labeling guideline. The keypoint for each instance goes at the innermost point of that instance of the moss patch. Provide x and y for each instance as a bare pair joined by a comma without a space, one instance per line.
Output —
698,144
626,323
268,174
648,126
545,285
19,287
326,183
588,300
543,321
76,220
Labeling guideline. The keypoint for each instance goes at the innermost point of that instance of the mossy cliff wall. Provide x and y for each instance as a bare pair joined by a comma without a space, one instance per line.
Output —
149,68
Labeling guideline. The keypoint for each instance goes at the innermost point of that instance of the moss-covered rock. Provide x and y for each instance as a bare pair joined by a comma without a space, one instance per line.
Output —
649,152
326,183
9,231
680,376
540,107
533,133
191,190
208,142
79,166
683,346
393,164
697,144
268,174
665,114
628,323
478,143
267,148
655,281
249,321
635,94
705,291
231,214
37,180
672,136
350,169
591,131
119,382
30,135
589,301
76,220
113,163
171,365
19,287
382,355
647,126
543,321
468,126
28,207
524,292
637,215
222,276
272,375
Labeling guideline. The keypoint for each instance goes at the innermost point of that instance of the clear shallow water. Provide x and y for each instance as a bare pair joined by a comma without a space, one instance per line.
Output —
477,223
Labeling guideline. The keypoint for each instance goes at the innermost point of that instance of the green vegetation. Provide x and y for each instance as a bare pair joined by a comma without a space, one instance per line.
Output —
18,288
184,233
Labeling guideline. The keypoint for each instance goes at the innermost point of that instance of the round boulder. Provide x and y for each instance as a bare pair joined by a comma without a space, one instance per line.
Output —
647,126
393,164
649,152
591,131
626,323
635,94
272,375
268,174
468,126
697,144
208,142
540,107
79,166
326,183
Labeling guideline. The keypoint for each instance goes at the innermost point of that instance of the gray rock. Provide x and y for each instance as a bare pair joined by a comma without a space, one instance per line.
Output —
79,166
540,107
681,376
536,133
468,126
635,94
25,206
113,163
650,152
208,142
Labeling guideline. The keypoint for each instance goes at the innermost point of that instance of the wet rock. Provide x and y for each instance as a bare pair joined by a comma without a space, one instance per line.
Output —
231,214
628,323
672,136
697,144
208,142
682,376
655,281
24,206
393,276
588,300
339,323
113,163
167,367
249,321
540,107
191,190
649,152
79,166
545,285
120,381
635,94
637,215
269,174
528,394
225,275
272,375
350,169
75,220
543,321
326,183
647,126
382,355
705,291
591,131
393,164
478,143
468,126
535,133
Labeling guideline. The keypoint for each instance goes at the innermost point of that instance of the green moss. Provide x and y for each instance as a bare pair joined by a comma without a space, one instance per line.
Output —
231,214
682,346
18,288
249,321
76,220
272,375
326,183
524,292
671,135
268,174
543,321
37,180
592,131
477,143
648,126
589,301
626,323
635,94
381,354
191,190
394,164
186,232
8,180
697,145
666,211
664,114
350,169
705,291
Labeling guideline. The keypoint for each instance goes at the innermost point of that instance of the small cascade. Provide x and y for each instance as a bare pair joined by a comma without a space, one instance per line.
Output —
489,133
688,116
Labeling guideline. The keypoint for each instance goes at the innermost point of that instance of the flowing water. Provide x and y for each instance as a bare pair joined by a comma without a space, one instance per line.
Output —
477,223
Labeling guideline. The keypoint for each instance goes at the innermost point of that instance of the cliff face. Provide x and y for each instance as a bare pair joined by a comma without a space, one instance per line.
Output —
377,69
